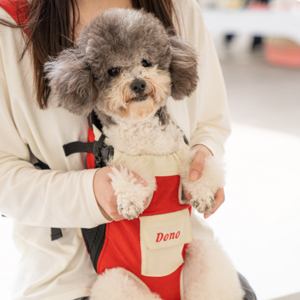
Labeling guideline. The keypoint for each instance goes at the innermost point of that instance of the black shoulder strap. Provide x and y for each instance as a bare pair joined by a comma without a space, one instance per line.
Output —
56,234
41,165
78,147
93,120
100,150
94,239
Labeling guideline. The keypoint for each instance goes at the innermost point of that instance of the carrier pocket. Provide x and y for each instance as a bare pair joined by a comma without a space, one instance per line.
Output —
162,241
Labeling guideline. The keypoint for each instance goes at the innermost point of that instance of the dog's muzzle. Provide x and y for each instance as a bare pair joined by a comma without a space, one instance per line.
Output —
140,98
138,86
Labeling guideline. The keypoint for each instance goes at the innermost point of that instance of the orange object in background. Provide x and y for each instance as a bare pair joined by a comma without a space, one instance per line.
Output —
257,5
282,52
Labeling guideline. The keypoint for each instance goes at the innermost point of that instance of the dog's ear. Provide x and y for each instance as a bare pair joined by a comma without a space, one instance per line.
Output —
183,68
71,79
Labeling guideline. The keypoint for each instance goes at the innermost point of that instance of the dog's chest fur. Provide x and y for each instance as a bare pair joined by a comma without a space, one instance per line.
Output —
146,137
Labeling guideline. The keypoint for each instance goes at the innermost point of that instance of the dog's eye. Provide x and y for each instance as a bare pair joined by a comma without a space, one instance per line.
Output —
113,71
145,63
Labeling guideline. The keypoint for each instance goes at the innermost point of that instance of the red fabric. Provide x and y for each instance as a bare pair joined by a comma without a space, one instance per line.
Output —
17,9
90,159
122,241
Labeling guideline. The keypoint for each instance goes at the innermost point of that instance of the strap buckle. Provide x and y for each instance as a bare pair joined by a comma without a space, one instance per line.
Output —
102,152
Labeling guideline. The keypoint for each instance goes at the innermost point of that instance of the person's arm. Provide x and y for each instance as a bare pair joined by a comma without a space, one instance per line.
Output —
208,108
40,197
213,126
30,196
52,198
213,121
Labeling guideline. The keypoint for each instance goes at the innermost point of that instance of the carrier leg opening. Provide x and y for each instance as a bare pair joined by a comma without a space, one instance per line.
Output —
119,284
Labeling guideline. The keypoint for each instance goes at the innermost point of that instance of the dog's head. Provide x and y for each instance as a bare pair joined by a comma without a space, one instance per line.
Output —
123,64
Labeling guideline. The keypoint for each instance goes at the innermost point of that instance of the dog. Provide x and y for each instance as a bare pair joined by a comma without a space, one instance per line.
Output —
124,66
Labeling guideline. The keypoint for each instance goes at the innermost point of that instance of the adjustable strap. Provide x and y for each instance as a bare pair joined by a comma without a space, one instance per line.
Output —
100,151
77,147
41,165
56,234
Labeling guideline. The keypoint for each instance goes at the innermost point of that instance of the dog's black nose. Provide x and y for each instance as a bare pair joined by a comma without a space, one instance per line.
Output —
138,86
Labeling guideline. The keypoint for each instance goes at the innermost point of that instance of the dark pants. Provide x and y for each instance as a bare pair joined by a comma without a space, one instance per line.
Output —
250,295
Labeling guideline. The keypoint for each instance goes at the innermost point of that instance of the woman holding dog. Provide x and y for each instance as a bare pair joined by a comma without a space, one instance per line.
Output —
68,196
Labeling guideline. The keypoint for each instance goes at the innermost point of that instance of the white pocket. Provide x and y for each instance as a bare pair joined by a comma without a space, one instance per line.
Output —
162,241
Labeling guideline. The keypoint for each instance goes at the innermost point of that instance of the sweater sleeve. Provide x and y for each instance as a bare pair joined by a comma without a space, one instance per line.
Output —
208,108
213,122
39,197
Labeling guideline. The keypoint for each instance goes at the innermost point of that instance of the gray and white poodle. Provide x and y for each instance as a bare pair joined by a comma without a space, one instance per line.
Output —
124,67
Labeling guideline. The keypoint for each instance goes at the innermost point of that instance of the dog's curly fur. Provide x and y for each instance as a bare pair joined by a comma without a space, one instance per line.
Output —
79,75
124,66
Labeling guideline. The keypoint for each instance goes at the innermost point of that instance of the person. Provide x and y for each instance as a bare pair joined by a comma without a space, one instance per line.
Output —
69,196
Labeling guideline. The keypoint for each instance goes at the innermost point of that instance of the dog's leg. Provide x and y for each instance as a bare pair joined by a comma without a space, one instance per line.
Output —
131,193
203,190
119,284
208,273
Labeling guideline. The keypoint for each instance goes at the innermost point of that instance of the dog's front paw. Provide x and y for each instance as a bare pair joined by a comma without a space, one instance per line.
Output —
203,198
205,203
129,208
204,189
130,191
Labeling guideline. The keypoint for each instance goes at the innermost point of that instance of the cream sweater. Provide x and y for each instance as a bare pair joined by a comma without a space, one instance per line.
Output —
63,197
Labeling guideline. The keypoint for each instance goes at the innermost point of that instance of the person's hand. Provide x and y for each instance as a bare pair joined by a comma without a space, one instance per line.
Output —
105,196
195,173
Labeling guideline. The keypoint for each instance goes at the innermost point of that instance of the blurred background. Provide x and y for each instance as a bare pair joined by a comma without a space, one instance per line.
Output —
258,43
